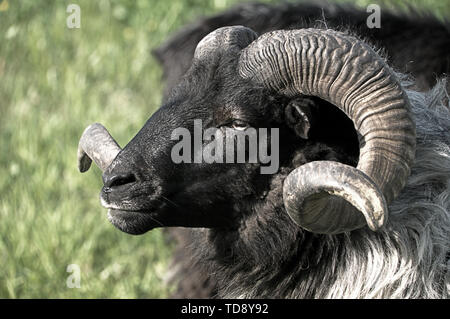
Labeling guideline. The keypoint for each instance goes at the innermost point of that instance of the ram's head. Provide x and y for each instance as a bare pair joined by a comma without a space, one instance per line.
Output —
346,137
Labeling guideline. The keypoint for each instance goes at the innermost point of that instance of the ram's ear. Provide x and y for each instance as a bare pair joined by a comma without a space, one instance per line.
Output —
299,116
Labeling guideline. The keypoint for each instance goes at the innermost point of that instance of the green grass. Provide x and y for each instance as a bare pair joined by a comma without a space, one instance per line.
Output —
53,83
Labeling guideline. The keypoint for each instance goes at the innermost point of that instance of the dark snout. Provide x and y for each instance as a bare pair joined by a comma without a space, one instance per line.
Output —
118,189
121,180
132,198
117,180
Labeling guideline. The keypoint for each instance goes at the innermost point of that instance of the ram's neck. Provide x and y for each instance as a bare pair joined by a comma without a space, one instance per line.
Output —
269,256
361,264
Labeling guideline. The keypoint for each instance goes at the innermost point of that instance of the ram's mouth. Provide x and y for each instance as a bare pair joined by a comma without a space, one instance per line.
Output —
133,222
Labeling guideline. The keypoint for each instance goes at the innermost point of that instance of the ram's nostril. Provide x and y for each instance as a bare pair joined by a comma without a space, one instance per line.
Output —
119,180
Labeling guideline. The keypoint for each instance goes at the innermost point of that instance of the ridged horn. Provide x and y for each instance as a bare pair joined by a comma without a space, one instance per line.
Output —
224,39
96,144
329,197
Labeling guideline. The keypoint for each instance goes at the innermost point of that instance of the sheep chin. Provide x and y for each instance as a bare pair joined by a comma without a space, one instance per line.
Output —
131,222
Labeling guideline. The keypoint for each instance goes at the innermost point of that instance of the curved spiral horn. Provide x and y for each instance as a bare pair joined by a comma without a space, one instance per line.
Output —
329,197
98,145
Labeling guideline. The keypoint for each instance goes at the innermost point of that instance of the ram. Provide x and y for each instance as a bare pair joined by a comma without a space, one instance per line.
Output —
359,206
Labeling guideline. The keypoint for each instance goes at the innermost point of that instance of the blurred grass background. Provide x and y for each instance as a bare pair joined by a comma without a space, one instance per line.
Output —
54,81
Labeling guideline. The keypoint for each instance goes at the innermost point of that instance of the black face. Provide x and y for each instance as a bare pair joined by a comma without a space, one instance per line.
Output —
145,189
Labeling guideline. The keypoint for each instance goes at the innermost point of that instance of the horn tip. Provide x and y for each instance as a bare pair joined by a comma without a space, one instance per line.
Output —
84,163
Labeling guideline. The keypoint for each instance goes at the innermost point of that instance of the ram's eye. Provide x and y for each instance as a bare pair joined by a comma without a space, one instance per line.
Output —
239,125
